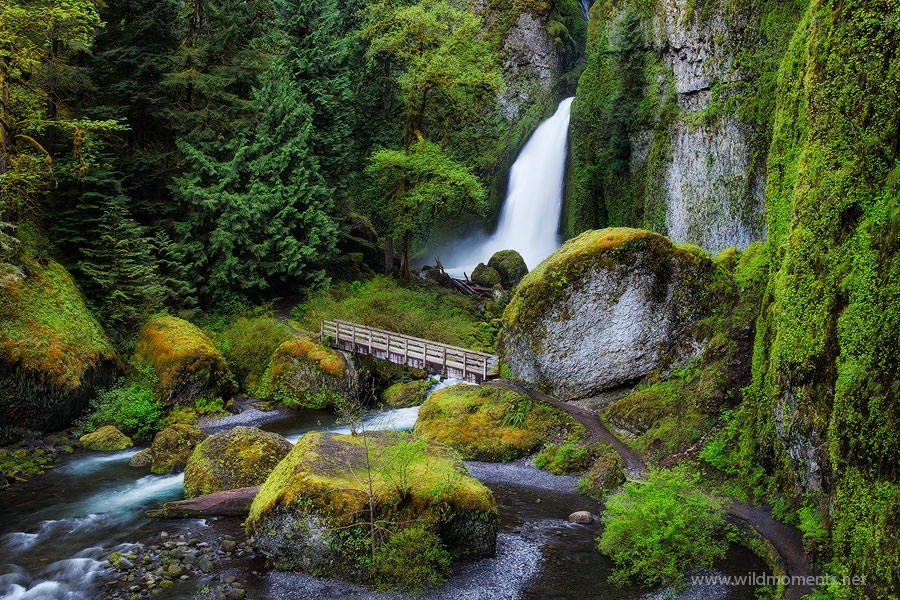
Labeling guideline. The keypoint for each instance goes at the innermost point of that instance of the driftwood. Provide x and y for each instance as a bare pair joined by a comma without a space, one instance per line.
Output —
471,289
219,504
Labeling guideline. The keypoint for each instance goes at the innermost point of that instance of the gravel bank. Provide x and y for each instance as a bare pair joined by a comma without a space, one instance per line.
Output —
521,473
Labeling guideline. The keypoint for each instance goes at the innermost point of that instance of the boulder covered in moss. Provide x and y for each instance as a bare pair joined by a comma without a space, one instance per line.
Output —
312,513
485,275
606,308
173,446
186,362
406,393
489,422
511,267
142,459
305,374
606,474
106,439
240,457
54,354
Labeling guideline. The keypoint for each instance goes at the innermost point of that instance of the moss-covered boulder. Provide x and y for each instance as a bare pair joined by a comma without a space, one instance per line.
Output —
54,354
142,459
606,474
305,374
485,275
240,457
186,362
606,308
311,514
106,439
489,422
406,393
173,446
511,267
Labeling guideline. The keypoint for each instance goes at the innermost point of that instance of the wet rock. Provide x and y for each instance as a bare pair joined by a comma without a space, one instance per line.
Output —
582,517
142,459
485,276
239,458
125,564
228,545
106,439
406,394
510,266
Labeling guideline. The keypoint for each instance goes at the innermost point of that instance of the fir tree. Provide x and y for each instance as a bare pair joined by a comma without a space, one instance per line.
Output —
262,217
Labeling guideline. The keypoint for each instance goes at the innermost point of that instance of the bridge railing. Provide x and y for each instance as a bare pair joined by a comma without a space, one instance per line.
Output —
411,351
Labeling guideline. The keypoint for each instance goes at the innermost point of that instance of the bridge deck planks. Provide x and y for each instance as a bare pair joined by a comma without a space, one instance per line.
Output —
434,357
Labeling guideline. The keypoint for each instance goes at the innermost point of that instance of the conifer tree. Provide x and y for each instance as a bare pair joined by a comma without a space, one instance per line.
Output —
261,218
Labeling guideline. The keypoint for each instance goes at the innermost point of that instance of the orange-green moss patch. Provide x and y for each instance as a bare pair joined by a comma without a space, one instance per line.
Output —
240,457
186,362
173,446
307,509
490,423
305,374
106,439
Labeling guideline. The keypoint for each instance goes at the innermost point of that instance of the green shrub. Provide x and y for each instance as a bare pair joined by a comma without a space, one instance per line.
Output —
247,344
565,459
656,528
413,560
132,408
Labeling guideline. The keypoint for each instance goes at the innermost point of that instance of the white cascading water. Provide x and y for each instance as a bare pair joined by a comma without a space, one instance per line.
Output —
586,8
529,221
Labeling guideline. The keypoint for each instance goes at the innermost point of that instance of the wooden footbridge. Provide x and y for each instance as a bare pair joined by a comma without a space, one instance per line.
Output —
414,352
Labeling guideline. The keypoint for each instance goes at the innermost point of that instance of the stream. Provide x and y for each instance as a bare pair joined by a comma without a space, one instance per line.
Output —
59,528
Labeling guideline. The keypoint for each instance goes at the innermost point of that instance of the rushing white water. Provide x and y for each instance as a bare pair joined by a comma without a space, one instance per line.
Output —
529,221
586,8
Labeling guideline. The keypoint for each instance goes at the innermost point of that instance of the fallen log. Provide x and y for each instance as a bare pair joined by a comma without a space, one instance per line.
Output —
219,504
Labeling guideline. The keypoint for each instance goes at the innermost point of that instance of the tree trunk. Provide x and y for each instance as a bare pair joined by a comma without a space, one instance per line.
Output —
404,256
50,133
5,119
388,255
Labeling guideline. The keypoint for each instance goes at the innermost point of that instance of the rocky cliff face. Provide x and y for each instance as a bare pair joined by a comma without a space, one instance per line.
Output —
672,119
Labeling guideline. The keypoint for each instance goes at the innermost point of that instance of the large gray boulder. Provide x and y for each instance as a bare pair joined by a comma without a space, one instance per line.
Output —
605,309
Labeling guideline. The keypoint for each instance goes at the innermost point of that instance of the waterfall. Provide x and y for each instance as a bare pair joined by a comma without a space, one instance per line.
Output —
586,8
529,221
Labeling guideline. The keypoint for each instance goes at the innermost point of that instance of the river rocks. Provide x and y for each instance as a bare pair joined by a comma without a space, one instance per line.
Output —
301,518
106,439
606,474
510,266
142,459
173,446
488,422
582,517
406,393
605,309
238,458
305,374
186,362
53,353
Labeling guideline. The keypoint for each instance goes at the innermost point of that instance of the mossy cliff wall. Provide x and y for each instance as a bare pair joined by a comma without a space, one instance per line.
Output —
673,116
822,421
53,352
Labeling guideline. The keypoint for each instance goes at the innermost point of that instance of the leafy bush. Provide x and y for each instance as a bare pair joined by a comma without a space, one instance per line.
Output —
248,343
131,407
413,560
656,528
416,308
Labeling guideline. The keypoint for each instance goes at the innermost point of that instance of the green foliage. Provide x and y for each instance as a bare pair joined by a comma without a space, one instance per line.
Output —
131,407
412,560
248,343
656,528
516,412
414,308
564,459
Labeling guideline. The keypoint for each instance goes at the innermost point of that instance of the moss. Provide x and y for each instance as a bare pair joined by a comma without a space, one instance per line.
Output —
106,439
20,464
320,491
510,266
142,459
606,473
405,394
240,457
173,446
490,423
53,352
485,275
568,458
305,374
186,362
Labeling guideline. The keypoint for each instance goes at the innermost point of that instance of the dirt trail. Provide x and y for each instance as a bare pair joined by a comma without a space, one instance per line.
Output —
787,540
